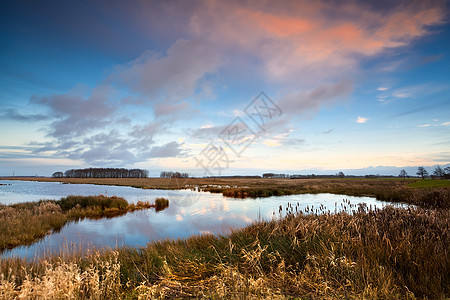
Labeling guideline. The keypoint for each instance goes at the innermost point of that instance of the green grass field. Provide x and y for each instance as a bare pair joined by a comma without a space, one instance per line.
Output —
429,183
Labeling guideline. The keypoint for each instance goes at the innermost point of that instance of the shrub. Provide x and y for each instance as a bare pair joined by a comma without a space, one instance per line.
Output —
161,203
102,201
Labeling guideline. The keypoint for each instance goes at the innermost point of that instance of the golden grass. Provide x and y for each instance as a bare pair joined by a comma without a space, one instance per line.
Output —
99,279
393,253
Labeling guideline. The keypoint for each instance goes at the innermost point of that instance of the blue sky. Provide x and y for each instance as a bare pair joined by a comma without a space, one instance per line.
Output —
361,87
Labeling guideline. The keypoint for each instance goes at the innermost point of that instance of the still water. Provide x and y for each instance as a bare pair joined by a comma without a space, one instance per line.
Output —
189,212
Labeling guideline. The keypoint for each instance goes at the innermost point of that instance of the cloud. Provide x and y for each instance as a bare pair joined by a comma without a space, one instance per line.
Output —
92,129
103,148
179,75
310,40
103,155
312,100
382,89
402,94
446,124
148,130
76,114
419,90
283,139
164,108
13,114
208,131
424,125
110,147
171,149
328,131
361,120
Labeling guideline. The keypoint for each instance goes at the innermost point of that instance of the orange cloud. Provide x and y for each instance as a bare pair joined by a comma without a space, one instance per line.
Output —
281,26
294,38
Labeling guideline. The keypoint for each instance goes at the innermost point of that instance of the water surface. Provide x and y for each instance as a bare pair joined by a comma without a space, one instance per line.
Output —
189,213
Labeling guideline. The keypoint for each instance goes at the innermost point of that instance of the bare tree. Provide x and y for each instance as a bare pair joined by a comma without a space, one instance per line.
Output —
447,170
422,172
438,171
403,173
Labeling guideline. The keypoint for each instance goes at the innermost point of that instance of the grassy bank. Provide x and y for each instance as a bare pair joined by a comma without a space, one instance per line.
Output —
390,253
25,223
424,193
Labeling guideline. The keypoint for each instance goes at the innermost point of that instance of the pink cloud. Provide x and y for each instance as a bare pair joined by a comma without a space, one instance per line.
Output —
294,38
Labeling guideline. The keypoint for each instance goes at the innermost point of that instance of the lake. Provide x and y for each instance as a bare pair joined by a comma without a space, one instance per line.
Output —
189,212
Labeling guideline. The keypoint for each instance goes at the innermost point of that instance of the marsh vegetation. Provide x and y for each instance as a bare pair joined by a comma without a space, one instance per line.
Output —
390,253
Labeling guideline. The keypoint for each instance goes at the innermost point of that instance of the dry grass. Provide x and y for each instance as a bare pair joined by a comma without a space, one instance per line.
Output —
392,253
99,279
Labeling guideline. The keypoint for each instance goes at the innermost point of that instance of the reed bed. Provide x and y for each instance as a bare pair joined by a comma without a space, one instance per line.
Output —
389,253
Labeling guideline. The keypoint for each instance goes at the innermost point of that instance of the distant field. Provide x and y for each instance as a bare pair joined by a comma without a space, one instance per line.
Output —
174,183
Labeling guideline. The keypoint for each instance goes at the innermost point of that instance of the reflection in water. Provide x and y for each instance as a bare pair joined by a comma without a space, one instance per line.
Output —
15,191
208,213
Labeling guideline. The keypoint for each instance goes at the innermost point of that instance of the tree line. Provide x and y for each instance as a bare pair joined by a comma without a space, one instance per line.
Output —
102,173
422,172
171,174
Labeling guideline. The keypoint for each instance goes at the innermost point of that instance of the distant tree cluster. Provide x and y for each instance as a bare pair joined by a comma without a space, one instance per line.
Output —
171,174
103,173
58,175
273,175
438,172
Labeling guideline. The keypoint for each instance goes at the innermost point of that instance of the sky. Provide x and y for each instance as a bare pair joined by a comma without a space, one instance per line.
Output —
224,87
